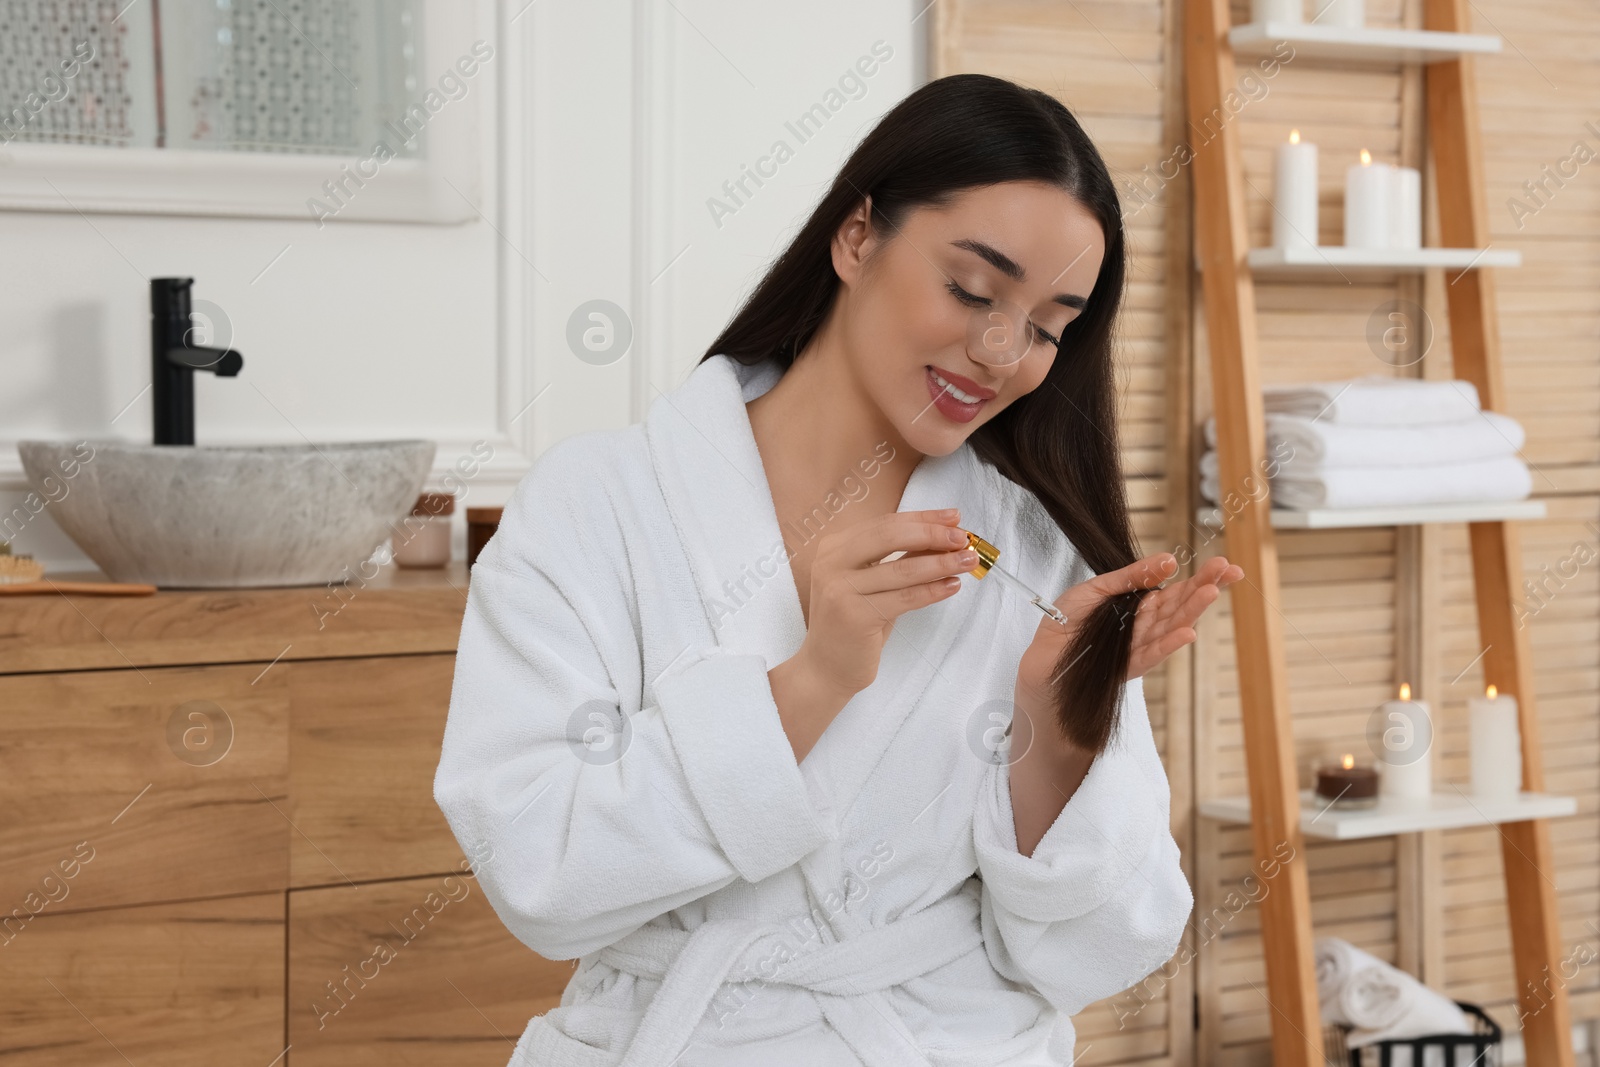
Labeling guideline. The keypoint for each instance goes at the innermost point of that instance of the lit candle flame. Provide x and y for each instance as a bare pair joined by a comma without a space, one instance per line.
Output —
1348,761
1366,158
1405,690
1294,136
1489,691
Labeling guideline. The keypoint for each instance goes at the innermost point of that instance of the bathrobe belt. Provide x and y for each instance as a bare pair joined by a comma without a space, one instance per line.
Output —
846,977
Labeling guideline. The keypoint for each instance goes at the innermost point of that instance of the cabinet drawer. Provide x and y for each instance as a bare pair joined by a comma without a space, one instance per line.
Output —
419,971
183,985
176,779
364,743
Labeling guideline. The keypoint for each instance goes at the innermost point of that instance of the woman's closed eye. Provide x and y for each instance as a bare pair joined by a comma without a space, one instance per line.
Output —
973,300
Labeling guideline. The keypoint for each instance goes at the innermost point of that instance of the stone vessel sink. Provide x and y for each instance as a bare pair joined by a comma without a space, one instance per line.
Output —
228,516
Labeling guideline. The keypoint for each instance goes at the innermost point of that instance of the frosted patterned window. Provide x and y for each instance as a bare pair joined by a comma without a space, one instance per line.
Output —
329,77
70,74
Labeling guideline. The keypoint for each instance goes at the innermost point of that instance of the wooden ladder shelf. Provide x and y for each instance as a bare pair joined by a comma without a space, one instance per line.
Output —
1221,237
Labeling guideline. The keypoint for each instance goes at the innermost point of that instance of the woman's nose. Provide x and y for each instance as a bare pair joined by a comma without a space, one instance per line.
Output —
999,337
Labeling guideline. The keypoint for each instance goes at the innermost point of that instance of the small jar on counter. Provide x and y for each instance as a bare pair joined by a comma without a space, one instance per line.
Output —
423,538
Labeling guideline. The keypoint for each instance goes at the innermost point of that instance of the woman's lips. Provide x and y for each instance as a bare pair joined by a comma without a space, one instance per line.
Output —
947,404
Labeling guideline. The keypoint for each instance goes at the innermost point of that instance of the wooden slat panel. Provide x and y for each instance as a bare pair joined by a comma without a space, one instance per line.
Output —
1113,63
1562,629
1351,603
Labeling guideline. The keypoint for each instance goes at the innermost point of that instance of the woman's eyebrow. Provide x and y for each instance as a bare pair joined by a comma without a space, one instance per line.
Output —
1012,269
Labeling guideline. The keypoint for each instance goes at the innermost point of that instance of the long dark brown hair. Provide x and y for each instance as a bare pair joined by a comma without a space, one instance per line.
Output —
1058,441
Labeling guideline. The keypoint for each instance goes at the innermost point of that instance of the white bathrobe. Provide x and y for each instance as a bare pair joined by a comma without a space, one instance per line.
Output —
615,766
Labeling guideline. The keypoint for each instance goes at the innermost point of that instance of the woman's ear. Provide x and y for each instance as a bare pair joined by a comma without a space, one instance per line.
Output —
853,242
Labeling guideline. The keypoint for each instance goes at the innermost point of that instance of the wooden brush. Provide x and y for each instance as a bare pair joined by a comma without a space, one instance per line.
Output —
18,569
91,588
20,575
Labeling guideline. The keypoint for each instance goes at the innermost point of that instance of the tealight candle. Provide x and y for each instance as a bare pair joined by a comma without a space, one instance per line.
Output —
1496,746
1276,11
1366,203
1405,207
1405,731
1294,194
1350,14
1346,783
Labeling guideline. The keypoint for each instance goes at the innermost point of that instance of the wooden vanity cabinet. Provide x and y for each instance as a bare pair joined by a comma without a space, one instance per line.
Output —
218,805
418,971
363,745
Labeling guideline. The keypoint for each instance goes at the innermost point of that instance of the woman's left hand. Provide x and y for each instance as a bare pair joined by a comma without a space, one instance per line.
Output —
1163,624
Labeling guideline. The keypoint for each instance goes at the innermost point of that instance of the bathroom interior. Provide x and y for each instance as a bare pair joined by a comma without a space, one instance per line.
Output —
298,290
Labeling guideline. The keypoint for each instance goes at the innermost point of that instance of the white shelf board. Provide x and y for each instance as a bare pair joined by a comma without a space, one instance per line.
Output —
1401,815
1330,259
1360,44
1407,515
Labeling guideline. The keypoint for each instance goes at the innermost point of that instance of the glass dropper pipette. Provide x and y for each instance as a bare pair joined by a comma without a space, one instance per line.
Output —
987,554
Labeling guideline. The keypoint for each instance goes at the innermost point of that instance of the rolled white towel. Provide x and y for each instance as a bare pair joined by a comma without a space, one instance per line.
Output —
1375,400
1337,960
1295,441
1384,1003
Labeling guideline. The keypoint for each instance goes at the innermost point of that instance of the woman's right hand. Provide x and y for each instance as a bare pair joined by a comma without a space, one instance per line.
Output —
855,599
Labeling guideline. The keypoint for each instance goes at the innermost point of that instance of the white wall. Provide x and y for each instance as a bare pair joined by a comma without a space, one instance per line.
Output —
609,125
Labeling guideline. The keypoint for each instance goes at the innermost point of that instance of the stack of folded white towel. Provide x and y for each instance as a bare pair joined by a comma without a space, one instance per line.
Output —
1379,442
1381,1002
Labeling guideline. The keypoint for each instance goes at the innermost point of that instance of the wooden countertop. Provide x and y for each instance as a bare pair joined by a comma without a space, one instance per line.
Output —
400,611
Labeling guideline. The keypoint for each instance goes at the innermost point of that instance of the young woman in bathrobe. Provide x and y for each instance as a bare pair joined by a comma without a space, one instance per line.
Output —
735,726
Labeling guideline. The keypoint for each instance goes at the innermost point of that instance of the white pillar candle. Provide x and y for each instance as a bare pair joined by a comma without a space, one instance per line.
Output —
1276,11
1405,207
1348,14
1294,194
1406,732
1366,204
1496,746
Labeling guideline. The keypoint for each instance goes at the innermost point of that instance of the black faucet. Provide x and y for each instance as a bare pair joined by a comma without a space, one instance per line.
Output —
174,359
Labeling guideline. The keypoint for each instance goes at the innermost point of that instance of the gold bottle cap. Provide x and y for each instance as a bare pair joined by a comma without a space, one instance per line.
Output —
987,554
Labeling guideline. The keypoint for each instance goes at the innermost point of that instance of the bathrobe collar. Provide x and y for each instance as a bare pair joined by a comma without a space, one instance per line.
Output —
716,491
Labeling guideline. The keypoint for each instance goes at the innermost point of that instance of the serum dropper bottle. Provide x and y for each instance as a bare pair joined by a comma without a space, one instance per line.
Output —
987,554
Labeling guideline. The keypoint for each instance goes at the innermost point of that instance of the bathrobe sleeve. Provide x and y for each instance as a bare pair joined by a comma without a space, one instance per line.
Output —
584,814
1102,902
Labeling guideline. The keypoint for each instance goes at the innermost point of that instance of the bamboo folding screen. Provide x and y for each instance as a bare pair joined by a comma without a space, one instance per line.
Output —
1361,609
1116,84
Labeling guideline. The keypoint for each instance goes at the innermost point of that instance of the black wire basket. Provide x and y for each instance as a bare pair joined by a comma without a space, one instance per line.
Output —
1481,1048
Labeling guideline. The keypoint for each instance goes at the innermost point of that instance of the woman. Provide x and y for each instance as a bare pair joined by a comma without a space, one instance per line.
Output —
728,725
